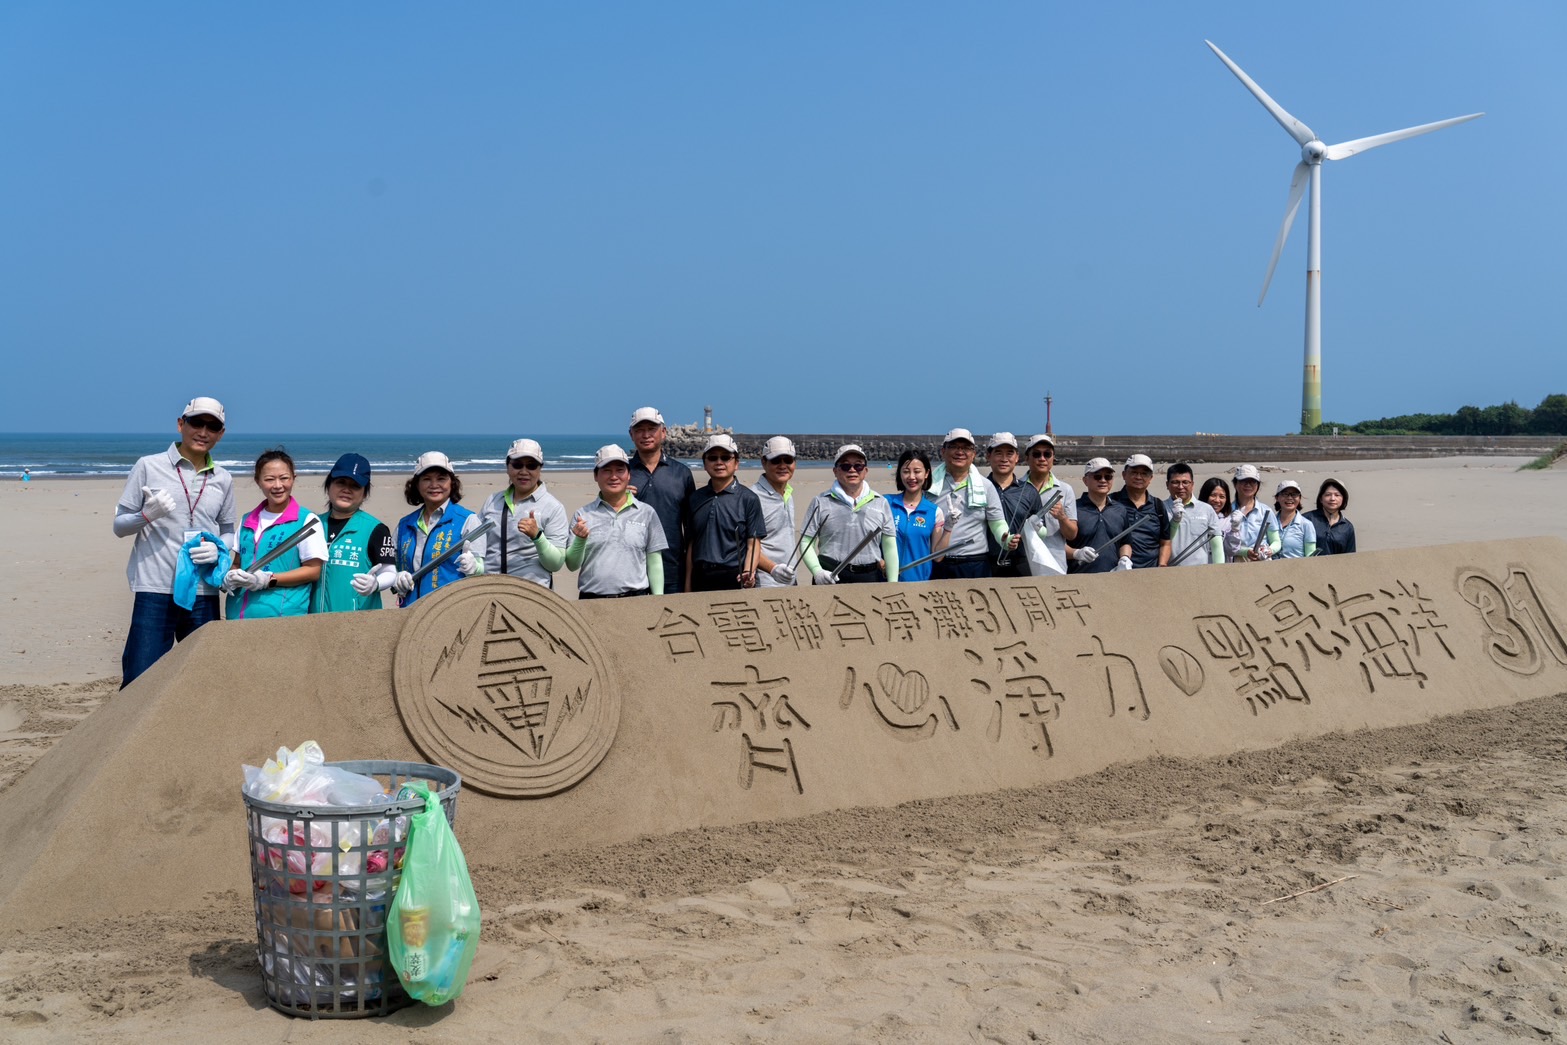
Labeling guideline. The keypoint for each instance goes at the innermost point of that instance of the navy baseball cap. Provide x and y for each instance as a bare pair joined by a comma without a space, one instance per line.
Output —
351,466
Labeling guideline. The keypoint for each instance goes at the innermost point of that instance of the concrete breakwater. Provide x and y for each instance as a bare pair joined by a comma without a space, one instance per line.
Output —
1075,449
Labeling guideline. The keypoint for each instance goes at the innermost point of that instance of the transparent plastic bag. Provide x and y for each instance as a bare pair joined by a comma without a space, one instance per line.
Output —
302,776
432,928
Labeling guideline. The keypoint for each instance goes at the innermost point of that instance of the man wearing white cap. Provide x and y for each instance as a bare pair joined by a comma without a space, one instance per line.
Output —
1100,519
1046,546
971,504
773,568
437,524
663,484
616,540
1151,540
169,500
1196,534
531,528
725,530
1019,504
843,524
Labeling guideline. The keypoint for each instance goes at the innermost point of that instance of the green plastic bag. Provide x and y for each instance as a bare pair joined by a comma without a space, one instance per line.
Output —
432,929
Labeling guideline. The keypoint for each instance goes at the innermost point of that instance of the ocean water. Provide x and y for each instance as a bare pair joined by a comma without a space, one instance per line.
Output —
45,455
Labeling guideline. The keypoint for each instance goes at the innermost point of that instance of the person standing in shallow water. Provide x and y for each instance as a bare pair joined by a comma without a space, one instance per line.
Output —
361,558
169,498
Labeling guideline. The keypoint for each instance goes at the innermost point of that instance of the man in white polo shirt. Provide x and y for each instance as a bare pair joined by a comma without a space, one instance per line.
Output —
530,523
971,504
168,499
1046,538
1194,526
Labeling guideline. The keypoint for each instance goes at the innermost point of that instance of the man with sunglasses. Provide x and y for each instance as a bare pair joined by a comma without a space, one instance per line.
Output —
1019,502
1099,518
1046,540
971,504
664,485
170,499
842,526
773,568
1151,540
532,524
725,529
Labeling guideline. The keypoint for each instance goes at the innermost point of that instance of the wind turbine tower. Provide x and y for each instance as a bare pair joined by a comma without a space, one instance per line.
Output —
1312,152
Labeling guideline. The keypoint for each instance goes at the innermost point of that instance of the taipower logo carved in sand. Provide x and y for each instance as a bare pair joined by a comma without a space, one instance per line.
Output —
501,680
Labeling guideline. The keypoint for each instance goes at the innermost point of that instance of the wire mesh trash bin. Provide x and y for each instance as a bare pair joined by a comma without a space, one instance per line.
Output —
323,878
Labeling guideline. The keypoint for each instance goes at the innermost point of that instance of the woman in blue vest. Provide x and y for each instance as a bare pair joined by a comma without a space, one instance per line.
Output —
362,557
922,528
283,588
436,525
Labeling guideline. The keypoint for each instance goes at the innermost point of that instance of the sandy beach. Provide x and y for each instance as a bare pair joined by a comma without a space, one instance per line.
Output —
1146,901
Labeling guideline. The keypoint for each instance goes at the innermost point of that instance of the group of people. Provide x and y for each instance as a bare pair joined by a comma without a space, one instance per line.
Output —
652,530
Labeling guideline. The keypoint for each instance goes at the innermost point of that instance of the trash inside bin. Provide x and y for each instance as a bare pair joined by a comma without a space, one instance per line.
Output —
323,877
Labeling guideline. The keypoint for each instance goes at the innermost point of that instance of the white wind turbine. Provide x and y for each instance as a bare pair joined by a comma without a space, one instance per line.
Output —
1312,152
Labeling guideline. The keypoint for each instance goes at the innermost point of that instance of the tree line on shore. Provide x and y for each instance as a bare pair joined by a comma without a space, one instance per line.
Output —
1549,418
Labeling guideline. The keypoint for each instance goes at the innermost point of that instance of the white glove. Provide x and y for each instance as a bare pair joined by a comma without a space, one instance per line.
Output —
237,579
783,573
364,583
1123,563
1265,552
204,554
1178,509
155,504
1086,555
404,583
823,577
467,565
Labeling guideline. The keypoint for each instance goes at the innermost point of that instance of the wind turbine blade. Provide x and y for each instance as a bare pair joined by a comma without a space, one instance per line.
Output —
1344,150
1297,190
1297,130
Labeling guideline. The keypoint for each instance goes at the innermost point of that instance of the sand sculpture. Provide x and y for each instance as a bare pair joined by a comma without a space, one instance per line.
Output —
577,724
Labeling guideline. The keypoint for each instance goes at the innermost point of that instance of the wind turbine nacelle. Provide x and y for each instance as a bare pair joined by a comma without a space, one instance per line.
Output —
1313,152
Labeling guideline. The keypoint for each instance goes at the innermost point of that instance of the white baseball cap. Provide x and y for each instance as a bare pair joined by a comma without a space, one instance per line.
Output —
721,441
433,459
1139,461
1247,471
204,405
778,446
846,449
645,413
1002,439
1035,440
1288,484
608,454
525,448
1097,464
955,434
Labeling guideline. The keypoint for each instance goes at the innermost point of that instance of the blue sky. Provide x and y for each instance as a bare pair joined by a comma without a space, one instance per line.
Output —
879,217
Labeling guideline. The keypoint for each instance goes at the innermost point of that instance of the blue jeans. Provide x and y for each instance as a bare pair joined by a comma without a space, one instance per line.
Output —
156,625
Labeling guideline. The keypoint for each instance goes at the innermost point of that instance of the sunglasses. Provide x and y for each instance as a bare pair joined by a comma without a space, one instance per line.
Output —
208,424
523,464
718,457
851,466
780,460
1103,477
1041,453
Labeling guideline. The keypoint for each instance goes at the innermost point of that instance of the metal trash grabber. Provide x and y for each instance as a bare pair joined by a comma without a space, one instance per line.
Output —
843,563
1197,542
291,542
799,542
1005,558
452,552
920,562
1117,538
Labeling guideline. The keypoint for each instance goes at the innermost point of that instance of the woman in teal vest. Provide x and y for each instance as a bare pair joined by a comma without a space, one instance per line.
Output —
283,588
434,527
361,555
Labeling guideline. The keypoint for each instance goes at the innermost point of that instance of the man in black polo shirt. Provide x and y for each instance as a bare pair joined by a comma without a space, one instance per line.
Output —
1019,503
1151,540
1099,518
663,484
726,526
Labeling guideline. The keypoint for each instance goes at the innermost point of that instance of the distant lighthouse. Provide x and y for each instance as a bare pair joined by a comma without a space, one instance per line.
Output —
707,419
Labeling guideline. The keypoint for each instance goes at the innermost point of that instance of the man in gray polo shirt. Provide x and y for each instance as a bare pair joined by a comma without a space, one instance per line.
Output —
1194,526
168,499
531,523
971,504
777,496
617,541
